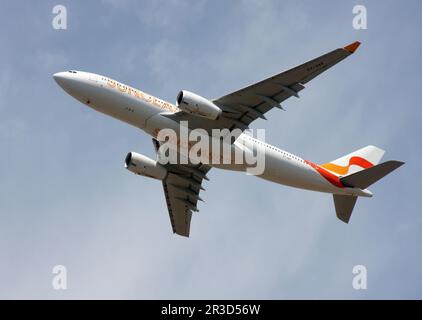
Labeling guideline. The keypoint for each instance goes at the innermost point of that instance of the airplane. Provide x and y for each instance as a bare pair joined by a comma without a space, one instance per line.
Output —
346,178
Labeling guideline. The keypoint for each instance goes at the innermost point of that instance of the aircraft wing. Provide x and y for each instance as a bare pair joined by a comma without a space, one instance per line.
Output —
181,189
242,107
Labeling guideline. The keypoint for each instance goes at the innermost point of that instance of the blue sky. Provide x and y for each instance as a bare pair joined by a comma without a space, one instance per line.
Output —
65,197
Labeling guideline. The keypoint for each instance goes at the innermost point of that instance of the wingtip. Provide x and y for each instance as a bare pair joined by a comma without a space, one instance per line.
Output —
352,47
400,163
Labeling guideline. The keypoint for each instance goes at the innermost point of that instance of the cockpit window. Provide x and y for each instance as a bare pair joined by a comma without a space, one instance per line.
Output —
72,71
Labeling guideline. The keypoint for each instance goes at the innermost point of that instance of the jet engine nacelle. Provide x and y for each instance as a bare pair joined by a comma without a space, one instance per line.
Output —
199,106
142,165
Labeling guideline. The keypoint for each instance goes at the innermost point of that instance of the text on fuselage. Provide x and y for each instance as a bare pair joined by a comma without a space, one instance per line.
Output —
142,96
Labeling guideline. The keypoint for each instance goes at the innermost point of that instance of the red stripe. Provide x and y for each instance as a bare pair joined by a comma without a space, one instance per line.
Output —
332,178
360,162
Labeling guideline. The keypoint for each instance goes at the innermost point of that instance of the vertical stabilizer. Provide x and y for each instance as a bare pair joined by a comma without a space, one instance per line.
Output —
356,161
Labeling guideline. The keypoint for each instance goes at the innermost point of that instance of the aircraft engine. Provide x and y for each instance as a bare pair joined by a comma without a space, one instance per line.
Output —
144,166
199,106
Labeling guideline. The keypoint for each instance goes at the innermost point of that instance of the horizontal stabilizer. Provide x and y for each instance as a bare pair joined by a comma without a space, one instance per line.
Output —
344,206
365,178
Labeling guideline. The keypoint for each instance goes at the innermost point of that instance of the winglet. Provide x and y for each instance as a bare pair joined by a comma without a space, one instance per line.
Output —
352,47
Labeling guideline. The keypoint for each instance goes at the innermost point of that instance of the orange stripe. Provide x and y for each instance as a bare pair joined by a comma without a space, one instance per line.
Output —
342,170
332,178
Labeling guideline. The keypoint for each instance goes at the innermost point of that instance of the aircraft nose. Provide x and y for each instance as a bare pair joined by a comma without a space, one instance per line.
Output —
60,78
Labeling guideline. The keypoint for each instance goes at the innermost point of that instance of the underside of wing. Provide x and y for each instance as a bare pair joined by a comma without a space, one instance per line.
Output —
181,189
243,106
254,101
182,195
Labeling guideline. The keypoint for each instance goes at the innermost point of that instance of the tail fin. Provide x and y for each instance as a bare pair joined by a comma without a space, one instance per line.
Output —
356,161
362,179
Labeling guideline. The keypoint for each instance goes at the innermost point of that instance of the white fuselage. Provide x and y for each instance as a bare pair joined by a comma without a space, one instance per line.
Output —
146,112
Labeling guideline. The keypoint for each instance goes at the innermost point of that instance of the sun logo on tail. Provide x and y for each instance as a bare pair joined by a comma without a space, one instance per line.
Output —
344,170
